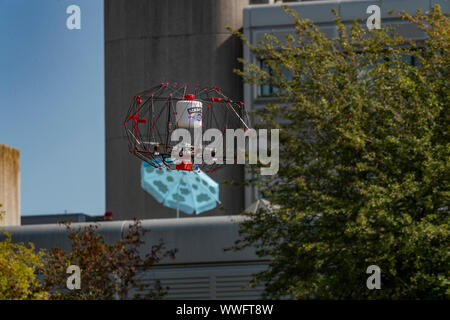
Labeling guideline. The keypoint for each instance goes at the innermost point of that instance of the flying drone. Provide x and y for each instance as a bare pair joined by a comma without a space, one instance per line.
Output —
155,113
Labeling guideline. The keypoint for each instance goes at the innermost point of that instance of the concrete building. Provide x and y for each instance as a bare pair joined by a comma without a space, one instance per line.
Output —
271,18
201,269
262,19
151,41
10,186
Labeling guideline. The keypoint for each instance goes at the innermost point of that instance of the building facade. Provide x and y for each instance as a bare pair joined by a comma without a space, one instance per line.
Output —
271,18
201,268
261,19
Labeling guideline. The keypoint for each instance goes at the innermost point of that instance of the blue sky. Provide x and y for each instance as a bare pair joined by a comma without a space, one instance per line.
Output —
52,103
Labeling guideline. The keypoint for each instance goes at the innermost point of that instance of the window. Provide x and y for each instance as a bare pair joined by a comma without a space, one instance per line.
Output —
266,90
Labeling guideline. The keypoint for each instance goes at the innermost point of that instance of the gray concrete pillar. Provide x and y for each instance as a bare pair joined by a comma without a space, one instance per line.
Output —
10,186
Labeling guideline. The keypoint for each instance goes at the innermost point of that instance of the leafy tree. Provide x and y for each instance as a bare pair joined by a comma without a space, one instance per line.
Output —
108,271
364,161
18,267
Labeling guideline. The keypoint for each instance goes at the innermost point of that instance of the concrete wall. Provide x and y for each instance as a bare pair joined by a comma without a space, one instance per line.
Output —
10,185
152,41
199,240
201,268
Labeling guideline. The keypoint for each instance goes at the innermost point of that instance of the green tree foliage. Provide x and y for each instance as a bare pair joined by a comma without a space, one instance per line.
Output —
18,268
364,161
108,270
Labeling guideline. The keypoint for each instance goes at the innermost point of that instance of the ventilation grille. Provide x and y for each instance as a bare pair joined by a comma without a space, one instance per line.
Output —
236,287
186,288
219,282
